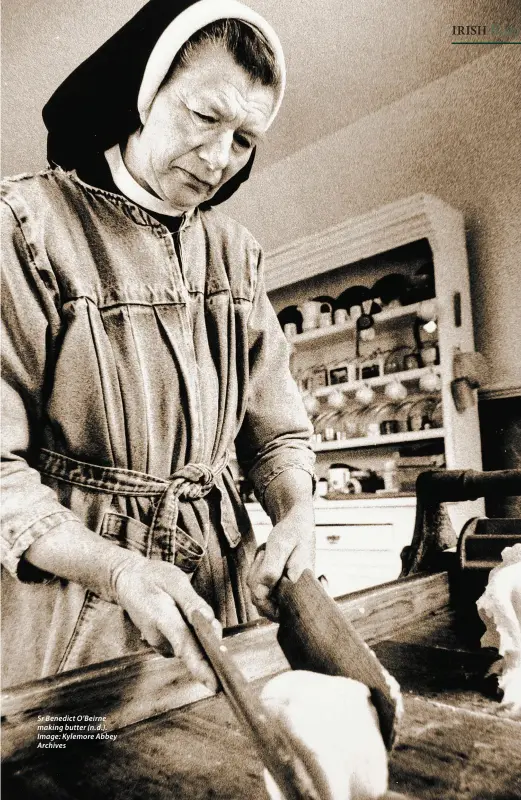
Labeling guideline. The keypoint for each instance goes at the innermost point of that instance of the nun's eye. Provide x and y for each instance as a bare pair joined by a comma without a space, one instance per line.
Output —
204,117
242,141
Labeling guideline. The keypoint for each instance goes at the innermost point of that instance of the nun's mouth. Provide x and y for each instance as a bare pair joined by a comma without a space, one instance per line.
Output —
198,183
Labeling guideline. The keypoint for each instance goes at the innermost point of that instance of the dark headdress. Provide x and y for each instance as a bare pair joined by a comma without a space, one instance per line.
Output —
96,105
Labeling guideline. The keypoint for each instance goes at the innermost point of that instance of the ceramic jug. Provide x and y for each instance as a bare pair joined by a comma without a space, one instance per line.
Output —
311,311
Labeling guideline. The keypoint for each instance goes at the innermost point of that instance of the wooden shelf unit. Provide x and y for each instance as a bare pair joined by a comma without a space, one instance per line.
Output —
326,262
404,376
374,441
331,331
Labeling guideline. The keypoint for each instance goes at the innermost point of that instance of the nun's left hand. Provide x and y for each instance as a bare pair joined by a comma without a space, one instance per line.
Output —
290,548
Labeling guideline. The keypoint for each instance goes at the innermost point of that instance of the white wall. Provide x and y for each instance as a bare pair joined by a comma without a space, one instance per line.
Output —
458,138
42,42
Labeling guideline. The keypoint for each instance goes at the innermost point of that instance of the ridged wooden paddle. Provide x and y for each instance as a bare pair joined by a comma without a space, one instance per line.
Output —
314,635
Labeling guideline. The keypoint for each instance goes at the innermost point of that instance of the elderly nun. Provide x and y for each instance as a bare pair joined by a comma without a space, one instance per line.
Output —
139,348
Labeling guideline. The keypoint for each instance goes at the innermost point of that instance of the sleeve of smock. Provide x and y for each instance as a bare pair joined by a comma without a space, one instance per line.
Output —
30,321
274,436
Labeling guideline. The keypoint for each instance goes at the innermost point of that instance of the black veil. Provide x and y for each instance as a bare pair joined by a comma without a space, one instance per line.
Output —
96,105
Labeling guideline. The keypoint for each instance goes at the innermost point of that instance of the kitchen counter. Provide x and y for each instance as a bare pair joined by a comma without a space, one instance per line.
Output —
364,500
359,538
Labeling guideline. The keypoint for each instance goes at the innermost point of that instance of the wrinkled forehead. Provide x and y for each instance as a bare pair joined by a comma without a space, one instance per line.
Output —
189,22
212,81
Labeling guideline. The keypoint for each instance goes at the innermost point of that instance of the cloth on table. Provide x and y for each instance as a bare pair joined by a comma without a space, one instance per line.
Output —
500,609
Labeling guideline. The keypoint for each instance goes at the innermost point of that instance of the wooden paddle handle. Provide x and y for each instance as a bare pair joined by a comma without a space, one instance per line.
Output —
274,746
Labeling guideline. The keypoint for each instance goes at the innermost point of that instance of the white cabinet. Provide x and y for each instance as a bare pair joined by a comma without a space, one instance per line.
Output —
358,541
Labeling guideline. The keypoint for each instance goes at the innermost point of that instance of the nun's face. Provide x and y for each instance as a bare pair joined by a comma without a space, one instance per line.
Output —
201,129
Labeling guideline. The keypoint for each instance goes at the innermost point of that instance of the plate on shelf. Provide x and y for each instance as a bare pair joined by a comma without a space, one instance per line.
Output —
290,314
390,287
353,296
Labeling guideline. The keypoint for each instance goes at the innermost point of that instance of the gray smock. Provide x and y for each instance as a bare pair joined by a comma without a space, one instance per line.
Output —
133,360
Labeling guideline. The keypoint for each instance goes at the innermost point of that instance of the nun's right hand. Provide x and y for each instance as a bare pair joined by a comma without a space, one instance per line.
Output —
160,601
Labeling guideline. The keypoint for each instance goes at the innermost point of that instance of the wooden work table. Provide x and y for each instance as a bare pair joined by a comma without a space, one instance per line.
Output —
453,742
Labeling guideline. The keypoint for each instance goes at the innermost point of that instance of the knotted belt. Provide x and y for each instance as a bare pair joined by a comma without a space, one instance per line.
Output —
191,482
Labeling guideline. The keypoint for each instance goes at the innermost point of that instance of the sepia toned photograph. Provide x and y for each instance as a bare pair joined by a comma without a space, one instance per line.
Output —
261,400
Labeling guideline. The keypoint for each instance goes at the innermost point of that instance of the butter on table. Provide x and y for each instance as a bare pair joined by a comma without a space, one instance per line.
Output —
334,729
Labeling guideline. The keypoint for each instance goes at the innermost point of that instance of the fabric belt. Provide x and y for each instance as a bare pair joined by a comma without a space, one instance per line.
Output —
191,482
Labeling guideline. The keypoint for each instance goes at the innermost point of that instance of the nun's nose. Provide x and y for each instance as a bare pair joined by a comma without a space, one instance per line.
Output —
217,151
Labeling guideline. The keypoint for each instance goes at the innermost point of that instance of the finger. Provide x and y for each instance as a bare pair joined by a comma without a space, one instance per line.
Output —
267,569
259,556
152,637
265,604
300,559
174,628
169,634
186,646
144,616
277,552
254,569
187,599
259,593
177,603
195,659
261,596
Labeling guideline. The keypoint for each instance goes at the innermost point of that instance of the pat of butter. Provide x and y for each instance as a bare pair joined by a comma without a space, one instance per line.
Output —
334,729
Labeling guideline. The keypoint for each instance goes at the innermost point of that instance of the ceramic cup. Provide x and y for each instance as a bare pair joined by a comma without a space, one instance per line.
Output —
322,487
324,320
430,382
429,355
373,429
290,330
410,361
310,311
338,479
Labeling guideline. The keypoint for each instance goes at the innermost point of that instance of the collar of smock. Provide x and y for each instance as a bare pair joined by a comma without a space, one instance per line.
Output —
131,188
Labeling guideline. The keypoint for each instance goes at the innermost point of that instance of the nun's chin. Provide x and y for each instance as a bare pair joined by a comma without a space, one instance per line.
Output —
185,191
